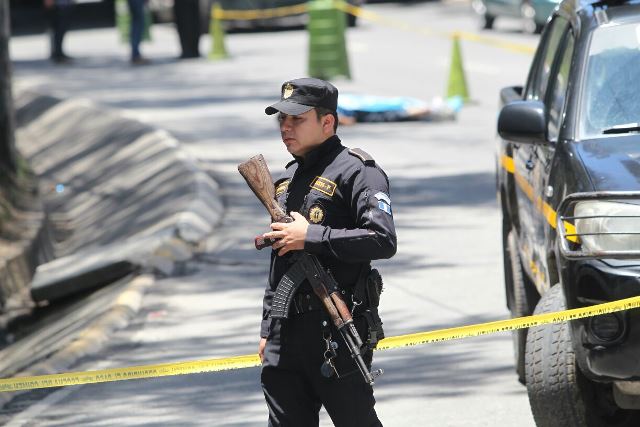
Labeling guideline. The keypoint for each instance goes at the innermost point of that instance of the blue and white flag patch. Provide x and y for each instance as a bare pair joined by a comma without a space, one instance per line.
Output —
384,202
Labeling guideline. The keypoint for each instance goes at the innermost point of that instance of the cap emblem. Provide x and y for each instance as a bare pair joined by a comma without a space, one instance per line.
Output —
288,91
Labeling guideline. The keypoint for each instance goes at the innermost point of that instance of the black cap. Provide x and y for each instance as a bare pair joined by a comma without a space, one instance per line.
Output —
301,95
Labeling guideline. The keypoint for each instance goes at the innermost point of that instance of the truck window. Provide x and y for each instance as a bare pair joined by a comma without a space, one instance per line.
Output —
558,94
611,95
539,76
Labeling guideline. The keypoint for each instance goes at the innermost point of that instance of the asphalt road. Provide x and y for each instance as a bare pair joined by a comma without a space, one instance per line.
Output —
448,268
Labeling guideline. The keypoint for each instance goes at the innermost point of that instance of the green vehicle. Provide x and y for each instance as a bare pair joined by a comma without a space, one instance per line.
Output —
533,13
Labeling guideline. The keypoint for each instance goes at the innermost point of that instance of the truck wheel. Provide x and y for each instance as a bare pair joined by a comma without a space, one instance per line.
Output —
559,394
520,304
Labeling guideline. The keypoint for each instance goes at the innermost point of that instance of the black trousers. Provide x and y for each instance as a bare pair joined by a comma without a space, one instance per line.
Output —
292,383
59,20
187,16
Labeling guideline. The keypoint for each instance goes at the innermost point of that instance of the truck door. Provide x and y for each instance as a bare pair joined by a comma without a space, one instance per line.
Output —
533,160
555,103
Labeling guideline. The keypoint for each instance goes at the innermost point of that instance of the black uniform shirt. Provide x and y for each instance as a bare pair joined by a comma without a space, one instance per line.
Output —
345,198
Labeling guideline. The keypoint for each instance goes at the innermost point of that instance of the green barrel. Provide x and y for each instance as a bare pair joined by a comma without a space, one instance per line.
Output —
327,45
216,29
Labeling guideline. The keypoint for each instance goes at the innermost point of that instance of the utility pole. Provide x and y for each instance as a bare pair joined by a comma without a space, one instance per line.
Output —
7,145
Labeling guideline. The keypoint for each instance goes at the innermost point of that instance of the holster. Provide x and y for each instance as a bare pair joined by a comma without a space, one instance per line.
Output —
367,291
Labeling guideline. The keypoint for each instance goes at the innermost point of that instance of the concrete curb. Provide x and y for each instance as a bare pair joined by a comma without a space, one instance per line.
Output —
120,193
94,337
19,257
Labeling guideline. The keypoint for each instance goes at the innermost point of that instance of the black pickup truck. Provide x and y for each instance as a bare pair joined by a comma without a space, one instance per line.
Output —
568,182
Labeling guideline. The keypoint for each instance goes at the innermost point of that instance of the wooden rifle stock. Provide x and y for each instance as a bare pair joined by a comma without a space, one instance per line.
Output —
256,173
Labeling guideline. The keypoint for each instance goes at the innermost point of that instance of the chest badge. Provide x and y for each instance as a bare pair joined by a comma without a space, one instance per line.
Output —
324,185
316,214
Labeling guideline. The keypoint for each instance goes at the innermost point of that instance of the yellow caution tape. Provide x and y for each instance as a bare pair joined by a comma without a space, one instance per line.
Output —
131,373
252,360
401,25
491,41
248,15
280,12
508,324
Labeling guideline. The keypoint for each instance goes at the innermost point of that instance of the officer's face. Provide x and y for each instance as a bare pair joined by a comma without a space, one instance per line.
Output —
304,132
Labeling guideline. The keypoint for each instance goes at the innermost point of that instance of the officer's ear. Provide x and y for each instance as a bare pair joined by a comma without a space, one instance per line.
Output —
328,122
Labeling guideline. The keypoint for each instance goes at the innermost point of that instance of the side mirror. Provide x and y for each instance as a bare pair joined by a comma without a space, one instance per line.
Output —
523,122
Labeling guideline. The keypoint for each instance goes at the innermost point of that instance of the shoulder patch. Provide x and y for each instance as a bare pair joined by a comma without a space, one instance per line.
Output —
363,156
281,187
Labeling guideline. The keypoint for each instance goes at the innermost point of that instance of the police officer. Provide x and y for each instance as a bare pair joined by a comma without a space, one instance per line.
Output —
59,16
339,200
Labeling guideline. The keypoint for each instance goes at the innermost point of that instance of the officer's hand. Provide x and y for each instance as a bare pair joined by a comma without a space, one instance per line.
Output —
48,4
261,346
290,236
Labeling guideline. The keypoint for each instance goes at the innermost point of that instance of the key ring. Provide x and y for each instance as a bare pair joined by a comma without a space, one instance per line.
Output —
355,304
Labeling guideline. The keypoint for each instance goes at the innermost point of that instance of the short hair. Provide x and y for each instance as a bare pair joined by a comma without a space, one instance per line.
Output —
321,112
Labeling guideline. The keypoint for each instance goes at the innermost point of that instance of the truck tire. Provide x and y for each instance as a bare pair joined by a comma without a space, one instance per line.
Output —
559,394
519,305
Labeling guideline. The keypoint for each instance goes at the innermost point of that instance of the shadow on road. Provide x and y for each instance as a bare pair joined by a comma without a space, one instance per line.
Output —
466,189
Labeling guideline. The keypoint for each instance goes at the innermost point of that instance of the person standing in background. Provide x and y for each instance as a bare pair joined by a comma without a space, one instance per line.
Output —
136,9
187,16
59,17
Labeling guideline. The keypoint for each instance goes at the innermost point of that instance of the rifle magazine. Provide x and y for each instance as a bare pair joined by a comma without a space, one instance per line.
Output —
285,291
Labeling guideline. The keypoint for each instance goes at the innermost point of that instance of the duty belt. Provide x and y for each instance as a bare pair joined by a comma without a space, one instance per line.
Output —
304,302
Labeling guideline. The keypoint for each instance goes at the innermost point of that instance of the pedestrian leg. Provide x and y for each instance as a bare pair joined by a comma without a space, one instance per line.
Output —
136,8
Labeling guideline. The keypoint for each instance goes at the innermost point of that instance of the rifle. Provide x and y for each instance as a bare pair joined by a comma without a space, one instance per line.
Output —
256,172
